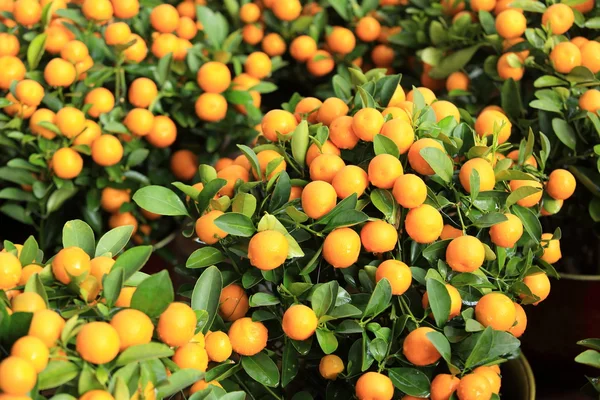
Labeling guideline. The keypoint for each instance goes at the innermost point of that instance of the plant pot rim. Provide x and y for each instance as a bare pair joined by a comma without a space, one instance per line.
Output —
525,368
578,277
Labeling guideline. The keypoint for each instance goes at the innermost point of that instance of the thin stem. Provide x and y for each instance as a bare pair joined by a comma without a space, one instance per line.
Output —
462,223
405,306
244,386
272,393
301,226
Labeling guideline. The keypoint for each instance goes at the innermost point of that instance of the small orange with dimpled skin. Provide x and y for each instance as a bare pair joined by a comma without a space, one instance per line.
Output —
341,247
383,171
397,273
374,386
378,236
318,198
418,349
561,184
299,322
268,250
424,224
465,254
496,310
409,191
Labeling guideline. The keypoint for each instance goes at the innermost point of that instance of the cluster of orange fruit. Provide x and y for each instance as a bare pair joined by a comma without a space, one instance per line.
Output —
57,97
320,58
565,50
99,341
407,173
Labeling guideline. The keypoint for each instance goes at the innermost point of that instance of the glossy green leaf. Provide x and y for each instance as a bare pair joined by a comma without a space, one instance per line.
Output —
79,234
206,294
154,294
380,299
143,352
410,381
204,257
236,224
262,369
159,200
439,301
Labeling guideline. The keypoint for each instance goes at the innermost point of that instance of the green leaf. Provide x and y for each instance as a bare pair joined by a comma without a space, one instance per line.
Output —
262,369
88,380
441,344
348,218
349,203
511,99
251,156
114,240
564,132
143,352
204,257
300,141
341,7
154,294
178,381
481,349
13,193
385,145
593,23
530,221
509,175
327,341
58,198
208,193
474,181
290,364
378,348
384,201
236,224
380,299
16,212
35,51
137,157
207,173
206,294
521,193
548,81
163,68
281,193
453,62
439,301
490,219
214,24
56,374
439,162
323,298
29,252
133,260
112,285
159,200
389,85
263,299
589,357
410,380
79,234
593,344
341,88
244,203
17,175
